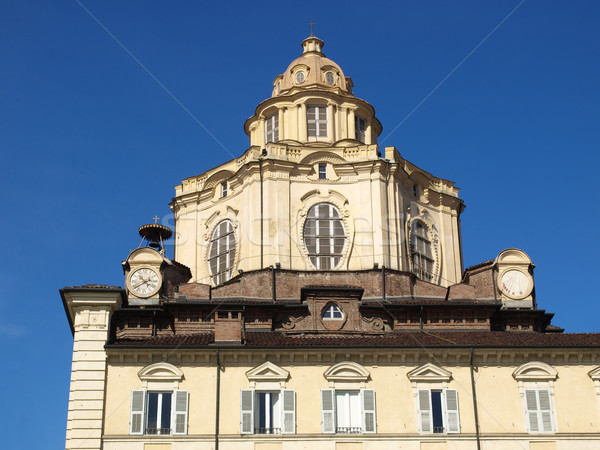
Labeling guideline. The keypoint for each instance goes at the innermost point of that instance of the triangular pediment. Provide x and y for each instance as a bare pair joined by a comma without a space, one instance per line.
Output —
267,372
347,371
595,374
535,371
428,373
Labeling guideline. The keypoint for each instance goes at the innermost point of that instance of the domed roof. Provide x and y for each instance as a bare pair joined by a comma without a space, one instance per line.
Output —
312,70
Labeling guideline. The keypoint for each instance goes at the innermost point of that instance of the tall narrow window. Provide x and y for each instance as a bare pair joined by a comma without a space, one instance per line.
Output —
272,128
421,254
348,411
360,128
322,171
222,252
159,412
316,117
224,189
438,411
324,236
268,412
538,405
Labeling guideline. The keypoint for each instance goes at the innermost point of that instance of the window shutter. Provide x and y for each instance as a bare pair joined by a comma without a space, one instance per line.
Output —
328,410
247,411
545,410
424,399
532,410
136,421
452,421
368,403
179,412
289,411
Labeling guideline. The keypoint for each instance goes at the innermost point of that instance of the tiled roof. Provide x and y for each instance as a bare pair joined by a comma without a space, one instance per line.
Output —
477,266
390,340
94,286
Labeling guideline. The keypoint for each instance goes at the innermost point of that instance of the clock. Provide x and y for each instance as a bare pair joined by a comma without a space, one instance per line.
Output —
516,284
144,282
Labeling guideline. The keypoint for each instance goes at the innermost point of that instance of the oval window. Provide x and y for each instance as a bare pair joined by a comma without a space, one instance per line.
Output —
222,252
324,236
300,77
329,78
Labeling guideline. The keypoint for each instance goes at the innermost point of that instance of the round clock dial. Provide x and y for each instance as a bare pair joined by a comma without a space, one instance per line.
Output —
144,282
516,284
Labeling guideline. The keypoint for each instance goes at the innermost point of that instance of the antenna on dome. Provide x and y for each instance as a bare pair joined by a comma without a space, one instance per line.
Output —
312,24
155,234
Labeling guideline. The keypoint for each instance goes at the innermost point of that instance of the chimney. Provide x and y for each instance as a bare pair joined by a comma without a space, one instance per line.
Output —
228,327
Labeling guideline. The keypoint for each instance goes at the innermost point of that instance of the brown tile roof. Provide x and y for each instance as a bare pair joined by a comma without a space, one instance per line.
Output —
405,339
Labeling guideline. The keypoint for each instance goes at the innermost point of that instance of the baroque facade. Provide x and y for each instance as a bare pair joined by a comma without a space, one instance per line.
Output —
317,299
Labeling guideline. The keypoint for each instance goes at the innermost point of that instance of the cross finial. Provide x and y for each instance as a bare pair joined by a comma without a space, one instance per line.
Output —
156,218
312,24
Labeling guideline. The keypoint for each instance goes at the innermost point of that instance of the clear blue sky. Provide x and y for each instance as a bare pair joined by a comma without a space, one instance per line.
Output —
92,145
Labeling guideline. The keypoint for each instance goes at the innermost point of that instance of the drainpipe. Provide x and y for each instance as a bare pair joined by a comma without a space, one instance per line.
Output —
218,403
387,210
474,401
383,283
273,287
153,323
260,171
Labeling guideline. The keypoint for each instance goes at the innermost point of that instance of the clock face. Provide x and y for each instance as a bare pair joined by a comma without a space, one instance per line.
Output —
144,282
516,284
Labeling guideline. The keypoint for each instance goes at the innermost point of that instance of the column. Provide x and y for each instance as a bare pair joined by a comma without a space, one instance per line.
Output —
281,119
351,124
302,133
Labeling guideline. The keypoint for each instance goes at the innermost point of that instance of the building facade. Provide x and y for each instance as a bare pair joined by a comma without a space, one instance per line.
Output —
317,299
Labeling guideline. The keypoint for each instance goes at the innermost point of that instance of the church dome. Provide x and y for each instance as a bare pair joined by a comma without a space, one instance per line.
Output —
312,70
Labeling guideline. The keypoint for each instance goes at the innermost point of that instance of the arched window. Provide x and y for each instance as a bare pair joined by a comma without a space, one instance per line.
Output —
332,312
421,254
222,252
324,236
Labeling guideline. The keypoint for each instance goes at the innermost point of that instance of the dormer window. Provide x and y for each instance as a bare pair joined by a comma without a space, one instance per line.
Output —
316,117
272,128
332,312
360,128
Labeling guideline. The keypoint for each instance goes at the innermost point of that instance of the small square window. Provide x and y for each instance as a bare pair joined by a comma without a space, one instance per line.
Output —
224,189
322,171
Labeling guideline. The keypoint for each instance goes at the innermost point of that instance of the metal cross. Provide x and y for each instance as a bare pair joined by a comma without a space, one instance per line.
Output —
156,218
312,24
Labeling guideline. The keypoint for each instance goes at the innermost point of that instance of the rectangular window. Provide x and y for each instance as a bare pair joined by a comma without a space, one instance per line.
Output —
360,128
158,412
538,406
421,252
272,128
322,171
267,412
316,118
348,411
224,189
438,411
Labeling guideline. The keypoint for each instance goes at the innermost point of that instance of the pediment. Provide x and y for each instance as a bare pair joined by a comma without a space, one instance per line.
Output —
428,373
267,372
347,371
535,371
160,372
595,374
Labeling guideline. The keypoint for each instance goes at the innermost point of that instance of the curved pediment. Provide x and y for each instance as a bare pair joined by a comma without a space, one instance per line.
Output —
347,371
535,371
428,373
161,371
267,372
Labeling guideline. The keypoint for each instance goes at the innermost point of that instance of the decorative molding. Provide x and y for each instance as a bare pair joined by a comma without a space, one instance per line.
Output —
535,371
416,213
268,373
161,374
594,374
429,373
346,372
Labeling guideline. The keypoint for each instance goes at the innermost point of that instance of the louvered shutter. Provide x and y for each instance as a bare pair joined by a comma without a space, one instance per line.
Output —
328,410
424,400
247,411
368,406
138,404
545,410
179,412
531,406
452,421
289,411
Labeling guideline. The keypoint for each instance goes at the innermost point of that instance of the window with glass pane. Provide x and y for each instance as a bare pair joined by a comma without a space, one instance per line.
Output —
360,128
272,128
324,236
316,117
322,171
222,252
421,253
332,312
349,412
159,413
267,413
224,189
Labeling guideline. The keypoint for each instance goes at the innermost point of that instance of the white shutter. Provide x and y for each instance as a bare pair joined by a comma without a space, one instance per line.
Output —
452,421
545,410
424,407
328,410
368,407
138,404
288,411
247,411
179,410
532,410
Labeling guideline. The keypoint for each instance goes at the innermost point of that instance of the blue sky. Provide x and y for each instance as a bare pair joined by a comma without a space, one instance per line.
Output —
93,145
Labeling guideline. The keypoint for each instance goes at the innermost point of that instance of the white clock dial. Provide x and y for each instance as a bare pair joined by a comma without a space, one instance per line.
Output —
516,284
144,282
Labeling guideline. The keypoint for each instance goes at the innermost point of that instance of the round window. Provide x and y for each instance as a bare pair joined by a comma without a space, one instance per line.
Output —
300,77
329,78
